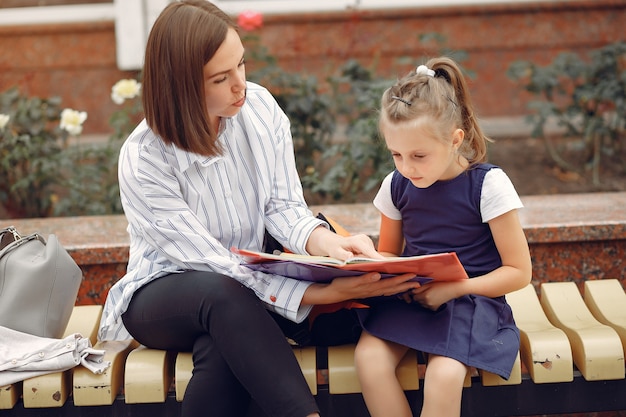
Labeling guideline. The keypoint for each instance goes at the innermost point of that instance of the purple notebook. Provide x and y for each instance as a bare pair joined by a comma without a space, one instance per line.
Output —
311,272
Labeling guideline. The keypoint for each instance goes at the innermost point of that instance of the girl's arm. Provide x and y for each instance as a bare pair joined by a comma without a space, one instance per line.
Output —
391,239
515,272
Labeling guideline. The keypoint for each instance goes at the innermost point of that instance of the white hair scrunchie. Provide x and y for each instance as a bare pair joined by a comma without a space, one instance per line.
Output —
424,70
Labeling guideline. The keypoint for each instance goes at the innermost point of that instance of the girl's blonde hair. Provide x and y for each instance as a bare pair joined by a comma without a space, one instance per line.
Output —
442,96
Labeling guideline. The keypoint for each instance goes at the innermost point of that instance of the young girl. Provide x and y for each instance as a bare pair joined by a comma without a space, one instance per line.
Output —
442,197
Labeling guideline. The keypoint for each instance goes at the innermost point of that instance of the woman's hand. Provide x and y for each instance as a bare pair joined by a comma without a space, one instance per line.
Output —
326,243
351,246
364,286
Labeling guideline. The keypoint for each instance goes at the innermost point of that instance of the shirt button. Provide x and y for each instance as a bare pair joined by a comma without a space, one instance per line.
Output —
273,298
41,354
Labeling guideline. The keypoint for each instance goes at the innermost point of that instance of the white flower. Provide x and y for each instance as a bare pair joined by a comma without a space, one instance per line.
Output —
72,121
4,119
125,89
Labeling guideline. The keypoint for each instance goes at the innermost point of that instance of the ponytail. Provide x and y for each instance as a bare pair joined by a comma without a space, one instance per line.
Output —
475,140
437,90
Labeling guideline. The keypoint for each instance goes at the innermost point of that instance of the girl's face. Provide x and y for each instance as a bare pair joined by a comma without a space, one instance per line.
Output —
422,158
225,80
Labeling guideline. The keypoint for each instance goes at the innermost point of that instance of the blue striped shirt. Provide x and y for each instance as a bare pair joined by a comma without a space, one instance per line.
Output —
185,211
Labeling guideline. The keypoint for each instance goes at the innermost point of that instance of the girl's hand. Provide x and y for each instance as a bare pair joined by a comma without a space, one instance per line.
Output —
434,294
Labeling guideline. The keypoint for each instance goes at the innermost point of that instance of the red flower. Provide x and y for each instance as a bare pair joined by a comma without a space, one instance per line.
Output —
250,20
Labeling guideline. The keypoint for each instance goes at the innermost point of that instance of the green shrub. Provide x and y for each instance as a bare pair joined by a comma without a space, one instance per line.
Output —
31,145
44,172
586,96
339,155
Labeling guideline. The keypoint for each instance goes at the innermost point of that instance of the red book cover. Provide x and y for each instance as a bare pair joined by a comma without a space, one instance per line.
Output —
441,266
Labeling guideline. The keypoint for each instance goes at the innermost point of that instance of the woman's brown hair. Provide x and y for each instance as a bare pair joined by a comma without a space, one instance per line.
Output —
444,98
183,39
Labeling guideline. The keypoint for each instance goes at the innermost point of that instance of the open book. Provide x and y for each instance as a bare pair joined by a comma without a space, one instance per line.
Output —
441,266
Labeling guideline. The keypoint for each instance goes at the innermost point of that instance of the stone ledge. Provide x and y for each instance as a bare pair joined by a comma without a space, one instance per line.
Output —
545,219
572,237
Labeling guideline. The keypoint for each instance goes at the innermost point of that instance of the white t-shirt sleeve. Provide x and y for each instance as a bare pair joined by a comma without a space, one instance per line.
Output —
498,195
383,201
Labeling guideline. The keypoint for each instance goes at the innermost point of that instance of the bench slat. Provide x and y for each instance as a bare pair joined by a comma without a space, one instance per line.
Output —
545,349
9,395
342,377
597,349
52,390
306,357
182,373
489,379
92,389
606,300
148,375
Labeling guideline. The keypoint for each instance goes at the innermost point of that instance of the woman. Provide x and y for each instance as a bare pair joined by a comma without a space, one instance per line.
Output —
210,168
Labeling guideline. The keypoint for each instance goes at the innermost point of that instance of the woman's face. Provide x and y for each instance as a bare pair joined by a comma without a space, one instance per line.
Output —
225,80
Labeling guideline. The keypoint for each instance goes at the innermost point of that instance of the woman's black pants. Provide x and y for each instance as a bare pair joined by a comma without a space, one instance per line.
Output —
240,355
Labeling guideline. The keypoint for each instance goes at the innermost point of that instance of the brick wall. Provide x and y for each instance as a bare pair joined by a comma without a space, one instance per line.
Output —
77,61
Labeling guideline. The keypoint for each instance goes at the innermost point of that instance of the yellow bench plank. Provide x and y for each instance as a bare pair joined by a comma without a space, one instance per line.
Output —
182,373
92,389
183,368
52,390
148,375
489,379
597,349
545,349
9,395
306,357
606,300
342,377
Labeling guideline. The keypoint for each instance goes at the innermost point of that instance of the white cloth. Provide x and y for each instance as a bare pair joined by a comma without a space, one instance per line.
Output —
498,196
24,356
185,211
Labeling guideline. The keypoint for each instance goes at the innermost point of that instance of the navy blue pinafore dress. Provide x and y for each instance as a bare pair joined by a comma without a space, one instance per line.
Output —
475,330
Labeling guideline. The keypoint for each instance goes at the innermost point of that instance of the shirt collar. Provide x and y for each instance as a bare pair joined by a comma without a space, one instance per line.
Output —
186,159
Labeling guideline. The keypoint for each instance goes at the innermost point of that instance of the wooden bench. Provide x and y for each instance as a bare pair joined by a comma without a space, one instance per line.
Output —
571,360
579,238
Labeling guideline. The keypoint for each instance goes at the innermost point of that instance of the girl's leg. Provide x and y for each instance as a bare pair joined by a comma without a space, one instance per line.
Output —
376,361
443,387
238,350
